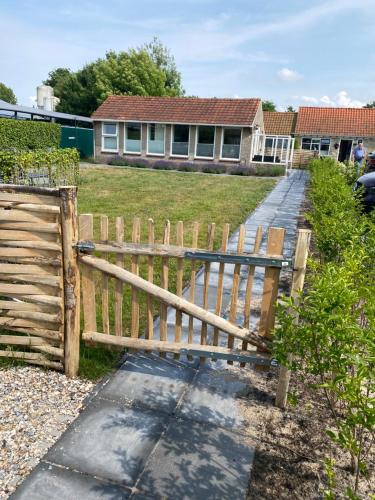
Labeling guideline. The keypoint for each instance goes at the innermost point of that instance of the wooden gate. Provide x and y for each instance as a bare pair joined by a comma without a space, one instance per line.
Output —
39,281
216,333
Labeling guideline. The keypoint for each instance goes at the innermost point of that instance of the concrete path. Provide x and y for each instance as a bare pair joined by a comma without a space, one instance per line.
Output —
165,428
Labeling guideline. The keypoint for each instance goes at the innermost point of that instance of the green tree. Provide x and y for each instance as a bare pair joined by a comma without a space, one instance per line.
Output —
268,106
370,105
165,61
147,71
7,94
291,109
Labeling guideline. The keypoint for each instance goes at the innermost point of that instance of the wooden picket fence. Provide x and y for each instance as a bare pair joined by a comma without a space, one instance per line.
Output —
108,265
133,288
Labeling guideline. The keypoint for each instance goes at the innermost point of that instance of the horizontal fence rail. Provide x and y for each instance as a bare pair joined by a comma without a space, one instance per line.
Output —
127,283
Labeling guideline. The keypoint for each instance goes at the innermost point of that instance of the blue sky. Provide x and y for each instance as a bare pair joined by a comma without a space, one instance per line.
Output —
297,52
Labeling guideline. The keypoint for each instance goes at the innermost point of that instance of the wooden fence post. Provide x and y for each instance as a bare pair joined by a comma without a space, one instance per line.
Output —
69,233
299,271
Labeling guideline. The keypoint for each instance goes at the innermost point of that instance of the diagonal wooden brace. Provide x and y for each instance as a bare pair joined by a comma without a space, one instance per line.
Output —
174,301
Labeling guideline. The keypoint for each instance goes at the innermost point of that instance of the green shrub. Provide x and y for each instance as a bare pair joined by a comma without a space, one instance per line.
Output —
53,167
213,168
269,170
335,211
333,341
22,134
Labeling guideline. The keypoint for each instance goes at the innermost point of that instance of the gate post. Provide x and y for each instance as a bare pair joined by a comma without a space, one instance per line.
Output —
299,271
69,235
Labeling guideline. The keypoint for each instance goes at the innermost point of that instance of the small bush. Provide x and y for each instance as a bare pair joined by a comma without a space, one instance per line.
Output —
164,165
213,168
259,170
22,134
121,161
188,167
245,171
54,167
269,170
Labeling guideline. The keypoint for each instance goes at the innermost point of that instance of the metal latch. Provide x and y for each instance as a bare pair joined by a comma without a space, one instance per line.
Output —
85,246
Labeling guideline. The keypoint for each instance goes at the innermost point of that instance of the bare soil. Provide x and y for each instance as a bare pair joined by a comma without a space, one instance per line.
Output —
292,445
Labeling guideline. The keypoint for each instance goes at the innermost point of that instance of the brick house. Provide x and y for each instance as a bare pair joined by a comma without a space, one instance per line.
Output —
332,132
177,128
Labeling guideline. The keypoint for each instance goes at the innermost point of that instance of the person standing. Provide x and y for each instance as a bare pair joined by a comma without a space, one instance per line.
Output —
359,154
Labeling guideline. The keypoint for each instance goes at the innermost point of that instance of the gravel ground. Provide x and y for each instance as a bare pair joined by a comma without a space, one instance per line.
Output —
36,406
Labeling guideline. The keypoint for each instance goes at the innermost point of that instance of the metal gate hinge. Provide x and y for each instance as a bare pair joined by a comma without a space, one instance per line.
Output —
85,246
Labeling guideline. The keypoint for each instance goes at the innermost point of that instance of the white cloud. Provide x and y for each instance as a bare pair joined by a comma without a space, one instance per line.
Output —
326,100
344,100
341,100
306,98
289,75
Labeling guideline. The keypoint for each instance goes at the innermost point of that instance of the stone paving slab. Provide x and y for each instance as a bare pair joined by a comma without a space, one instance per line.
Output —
211,397
109,441
149,381
197,461
48,482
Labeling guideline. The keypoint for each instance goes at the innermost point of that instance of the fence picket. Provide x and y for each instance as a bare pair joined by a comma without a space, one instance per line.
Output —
105,281
194,244
235,286
207,266
119,288
220,282
86,232
275,244
164,282
179,280
150,278
249,287
136,238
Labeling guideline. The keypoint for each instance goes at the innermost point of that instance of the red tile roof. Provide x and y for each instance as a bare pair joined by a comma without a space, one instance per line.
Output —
279,123
340,122
191,110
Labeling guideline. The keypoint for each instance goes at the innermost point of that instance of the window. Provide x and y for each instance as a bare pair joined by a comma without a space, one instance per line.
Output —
324,146
180,140
205,142
109,136
155,143
133,138
269,142
231,144
315,144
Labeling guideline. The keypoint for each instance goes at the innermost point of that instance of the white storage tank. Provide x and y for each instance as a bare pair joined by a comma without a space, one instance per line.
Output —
44,95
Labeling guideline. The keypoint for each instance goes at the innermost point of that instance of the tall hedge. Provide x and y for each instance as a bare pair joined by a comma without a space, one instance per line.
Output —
22,134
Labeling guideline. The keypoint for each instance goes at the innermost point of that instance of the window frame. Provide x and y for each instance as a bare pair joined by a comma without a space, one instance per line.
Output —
196,144
172,141
314,141
222,144
148,138
104,150
140,140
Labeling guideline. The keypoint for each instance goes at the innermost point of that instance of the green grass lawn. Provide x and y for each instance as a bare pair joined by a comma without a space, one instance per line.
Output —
160,195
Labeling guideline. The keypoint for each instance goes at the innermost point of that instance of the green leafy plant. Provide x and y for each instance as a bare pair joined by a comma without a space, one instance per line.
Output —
45,167
22,134
334,340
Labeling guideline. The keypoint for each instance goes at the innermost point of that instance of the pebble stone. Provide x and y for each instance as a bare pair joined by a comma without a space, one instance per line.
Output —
36,406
